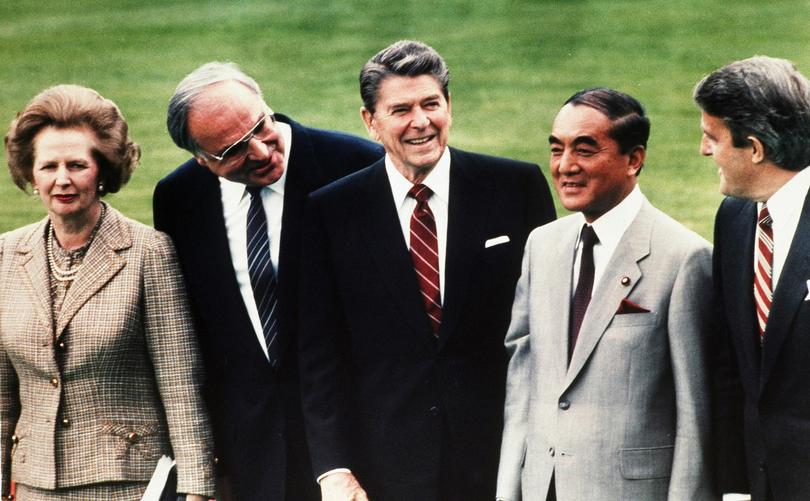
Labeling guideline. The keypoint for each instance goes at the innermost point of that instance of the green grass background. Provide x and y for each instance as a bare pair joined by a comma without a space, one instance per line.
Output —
512,65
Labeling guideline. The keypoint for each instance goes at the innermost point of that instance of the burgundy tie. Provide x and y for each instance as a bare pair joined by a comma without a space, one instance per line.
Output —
582,296
763,269
425,254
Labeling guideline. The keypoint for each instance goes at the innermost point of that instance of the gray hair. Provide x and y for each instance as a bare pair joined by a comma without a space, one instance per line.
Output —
406,58
763,97
190,88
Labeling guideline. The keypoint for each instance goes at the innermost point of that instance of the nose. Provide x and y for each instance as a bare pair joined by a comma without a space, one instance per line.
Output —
705,147
567,163
260,149
420,119
62,177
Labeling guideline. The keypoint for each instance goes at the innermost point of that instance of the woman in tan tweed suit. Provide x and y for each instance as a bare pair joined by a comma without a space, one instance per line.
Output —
99,369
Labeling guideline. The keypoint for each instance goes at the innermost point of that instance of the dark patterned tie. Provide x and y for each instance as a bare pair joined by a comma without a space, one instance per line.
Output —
425,254
582,296
262,276
763,269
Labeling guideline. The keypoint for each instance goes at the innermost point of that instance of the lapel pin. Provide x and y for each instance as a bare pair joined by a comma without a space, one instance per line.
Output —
625,280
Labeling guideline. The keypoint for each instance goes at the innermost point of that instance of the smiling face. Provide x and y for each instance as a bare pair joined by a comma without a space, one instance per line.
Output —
412,120
66,173
222,116
739,175
590,173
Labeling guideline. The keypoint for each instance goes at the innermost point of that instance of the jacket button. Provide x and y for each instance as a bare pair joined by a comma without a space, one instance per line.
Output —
551,451
65,422
762,466
434,411
133,437
564,404
15,439
54,382
216,460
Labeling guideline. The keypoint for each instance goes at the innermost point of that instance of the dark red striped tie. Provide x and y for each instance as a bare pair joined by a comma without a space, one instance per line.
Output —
763,270
425,254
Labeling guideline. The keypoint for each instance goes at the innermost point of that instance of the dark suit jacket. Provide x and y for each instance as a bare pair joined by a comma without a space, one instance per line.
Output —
255,411
773,381
412,417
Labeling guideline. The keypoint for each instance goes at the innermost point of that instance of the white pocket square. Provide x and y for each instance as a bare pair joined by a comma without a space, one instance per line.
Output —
505,238
807,297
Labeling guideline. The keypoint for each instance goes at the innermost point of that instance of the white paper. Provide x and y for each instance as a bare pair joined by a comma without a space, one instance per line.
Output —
158,480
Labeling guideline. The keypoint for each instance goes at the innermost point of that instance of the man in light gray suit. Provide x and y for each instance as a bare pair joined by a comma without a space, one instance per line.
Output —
607,393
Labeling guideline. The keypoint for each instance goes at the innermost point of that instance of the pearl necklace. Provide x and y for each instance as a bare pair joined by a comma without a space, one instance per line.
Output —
59,273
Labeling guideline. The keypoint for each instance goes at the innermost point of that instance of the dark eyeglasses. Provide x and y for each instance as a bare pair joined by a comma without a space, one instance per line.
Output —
239,149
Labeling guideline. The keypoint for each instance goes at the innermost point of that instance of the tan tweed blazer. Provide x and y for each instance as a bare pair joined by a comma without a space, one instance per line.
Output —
120,384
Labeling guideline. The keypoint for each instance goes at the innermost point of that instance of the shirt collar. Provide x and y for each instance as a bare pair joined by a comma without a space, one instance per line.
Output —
232,191
438,180
611,225
787,202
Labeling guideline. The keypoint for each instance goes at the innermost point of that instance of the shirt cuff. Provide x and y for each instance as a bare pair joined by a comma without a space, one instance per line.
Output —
336,470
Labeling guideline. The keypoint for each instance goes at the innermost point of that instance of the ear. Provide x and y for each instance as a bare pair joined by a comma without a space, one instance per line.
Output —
636,158
368,120
201,160
757,149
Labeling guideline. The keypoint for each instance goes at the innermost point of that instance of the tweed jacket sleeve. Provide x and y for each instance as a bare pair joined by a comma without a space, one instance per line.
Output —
178,366
9,406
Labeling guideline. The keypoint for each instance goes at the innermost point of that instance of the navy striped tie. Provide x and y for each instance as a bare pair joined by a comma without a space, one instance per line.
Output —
262,276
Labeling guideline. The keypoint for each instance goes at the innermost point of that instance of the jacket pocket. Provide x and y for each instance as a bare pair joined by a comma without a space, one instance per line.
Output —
646,462
144,439
19,443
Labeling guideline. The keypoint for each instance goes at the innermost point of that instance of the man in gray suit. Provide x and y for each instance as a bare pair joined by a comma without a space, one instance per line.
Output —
607,393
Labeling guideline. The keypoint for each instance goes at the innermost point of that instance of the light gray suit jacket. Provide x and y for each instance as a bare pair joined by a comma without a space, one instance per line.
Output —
629,418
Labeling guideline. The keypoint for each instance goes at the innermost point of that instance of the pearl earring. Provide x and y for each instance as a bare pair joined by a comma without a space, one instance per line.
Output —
35,191
101,186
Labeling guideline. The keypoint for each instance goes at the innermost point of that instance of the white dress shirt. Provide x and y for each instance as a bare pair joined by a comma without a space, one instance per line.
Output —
235,204
438,180
609,228
785,208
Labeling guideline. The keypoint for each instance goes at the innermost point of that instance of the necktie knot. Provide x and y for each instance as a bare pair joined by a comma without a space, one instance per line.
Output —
253,190
588,237
765,218
420,192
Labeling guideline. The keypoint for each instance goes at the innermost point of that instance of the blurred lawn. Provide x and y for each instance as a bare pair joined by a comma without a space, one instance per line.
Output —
512,62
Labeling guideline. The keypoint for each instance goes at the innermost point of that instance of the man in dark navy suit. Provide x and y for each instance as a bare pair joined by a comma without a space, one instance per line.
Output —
234,213
409,272
756,126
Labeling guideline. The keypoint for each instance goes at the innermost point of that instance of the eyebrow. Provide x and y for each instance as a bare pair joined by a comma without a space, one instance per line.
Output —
587,140
408,103
242,138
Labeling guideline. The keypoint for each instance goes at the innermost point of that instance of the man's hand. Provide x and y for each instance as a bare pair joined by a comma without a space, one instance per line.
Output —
341,486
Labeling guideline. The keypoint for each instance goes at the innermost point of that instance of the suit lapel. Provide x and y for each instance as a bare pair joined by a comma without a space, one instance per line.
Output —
100,264
738,281
34,262
560,265
213,264
383,236
466,223
789,294
633,247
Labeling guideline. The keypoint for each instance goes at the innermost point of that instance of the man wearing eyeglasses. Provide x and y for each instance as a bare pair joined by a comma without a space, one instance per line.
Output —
233,212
